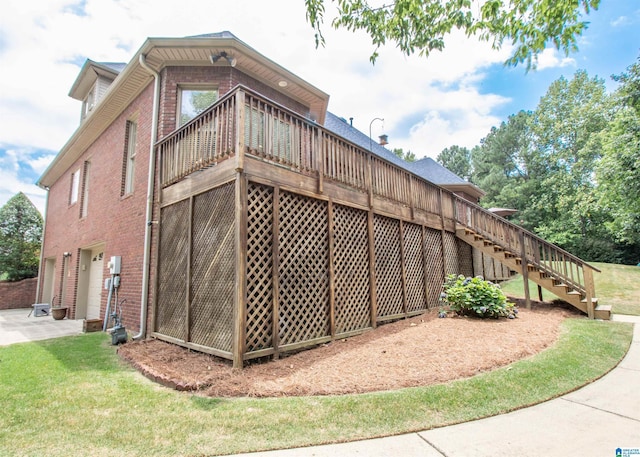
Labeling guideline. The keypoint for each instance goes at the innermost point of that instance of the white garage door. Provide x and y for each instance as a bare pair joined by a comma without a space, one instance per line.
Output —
95,284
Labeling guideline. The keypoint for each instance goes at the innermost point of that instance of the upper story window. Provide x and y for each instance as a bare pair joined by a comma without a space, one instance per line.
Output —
75,187
89,102
85,190
129,157
193,100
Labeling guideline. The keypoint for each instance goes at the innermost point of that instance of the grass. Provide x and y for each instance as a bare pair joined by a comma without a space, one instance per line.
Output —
616,285
72,396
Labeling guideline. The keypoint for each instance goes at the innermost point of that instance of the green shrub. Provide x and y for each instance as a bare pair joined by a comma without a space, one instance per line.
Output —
476,297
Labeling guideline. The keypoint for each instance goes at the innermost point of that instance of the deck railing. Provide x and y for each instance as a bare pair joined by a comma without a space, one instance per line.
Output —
245,122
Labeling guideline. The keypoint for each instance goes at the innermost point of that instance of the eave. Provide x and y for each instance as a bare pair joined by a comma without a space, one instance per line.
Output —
160,53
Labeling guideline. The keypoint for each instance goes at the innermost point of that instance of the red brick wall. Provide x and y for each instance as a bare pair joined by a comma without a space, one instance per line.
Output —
115,221
19,294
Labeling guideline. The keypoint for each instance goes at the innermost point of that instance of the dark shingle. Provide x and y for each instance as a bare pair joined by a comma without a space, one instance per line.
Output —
426,168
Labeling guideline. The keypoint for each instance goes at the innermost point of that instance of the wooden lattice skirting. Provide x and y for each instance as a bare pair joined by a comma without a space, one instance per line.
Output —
315,270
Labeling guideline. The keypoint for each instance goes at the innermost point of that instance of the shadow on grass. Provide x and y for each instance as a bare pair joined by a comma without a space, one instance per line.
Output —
207,403
86,352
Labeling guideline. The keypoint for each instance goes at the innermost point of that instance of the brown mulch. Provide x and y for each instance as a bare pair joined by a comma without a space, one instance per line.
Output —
419,351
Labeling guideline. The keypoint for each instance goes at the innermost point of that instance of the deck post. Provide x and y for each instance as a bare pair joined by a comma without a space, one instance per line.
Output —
240,302
525,270
369,181
332,285
372,270
240,119
320,159
275,259
442,233
187,304
403,269
589,287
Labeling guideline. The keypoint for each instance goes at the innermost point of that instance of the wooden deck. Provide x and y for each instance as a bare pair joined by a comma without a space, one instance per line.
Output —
276,234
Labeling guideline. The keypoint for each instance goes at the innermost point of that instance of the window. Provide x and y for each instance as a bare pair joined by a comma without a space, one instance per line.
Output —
75,185
85,190
129,161
193,101
89,102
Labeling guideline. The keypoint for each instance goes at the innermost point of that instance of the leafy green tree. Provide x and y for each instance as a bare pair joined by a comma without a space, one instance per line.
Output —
406,156
508,167
629,91
618,172
423,25
195,102
20,238
456,159
566,125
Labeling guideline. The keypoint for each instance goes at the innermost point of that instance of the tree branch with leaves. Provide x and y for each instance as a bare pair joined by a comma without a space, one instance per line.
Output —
422,26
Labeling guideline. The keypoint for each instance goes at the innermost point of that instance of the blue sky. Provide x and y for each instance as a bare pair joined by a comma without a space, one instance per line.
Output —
453,97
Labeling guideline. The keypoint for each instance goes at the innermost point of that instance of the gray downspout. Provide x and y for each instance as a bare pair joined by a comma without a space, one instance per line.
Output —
40,266
144,299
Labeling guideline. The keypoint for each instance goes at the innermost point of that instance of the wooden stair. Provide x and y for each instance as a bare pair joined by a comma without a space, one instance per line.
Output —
548,266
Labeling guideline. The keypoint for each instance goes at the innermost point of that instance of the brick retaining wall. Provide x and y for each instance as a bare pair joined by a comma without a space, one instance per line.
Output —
19,294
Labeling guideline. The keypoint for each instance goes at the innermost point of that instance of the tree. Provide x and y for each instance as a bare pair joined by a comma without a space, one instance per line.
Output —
408,156
456,159
618,172
20,238
509,169
566,125
423,25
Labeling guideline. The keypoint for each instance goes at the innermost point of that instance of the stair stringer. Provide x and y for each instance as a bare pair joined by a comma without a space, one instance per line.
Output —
537,273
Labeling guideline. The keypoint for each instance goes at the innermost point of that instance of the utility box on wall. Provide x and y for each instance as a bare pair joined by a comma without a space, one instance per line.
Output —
114,265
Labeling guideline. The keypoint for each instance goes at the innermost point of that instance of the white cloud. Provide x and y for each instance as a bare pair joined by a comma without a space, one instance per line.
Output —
549,58
621,20
11,184
44,43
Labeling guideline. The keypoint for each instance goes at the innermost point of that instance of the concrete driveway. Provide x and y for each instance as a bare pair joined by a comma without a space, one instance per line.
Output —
16,326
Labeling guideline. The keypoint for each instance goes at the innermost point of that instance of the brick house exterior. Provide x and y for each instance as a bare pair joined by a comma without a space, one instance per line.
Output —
108,195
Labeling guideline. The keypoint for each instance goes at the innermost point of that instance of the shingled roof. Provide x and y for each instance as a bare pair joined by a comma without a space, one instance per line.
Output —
426,168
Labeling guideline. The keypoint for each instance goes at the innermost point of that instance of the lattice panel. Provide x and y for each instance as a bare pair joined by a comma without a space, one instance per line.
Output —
414,267
451,265
465,258
259,326
172,271
478,264
388,267
434,264
351,269
304,265
213,268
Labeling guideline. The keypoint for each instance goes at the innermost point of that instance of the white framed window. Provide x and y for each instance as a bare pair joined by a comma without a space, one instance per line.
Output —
89,102
75,187
129,160
193,100
85,190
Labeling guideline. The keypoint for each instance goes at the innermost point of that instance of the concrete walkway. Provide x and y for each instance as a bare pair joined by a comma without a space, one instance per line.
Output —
16,326
594,421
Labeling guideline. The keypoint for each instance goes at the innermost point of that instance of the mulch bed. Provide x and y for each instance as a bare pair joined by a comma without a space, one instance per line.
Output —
419,351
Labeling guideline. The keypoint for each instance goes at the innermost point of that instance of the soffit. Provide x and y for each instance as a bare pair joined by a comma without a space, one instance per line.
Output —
87,78
162,52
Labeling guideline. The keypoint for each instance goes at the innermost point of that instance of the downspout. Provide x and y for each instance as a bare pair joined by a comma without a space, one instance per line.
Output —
144,298
40,266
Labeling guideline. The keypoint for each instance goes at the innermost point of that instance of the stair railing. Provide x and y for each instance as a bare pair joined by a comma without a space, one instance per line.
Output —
546,257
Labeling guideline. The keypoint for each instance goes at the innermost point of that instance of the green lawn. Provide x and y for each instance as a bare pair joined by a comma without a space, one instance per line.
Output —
617,285
73,397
